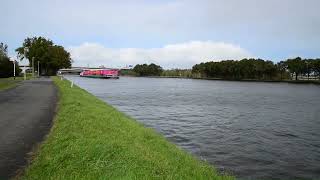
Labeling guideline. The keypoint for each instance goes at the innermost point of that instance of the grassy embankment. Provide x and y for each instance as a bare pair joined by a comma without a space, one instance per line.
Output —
7,83
92,140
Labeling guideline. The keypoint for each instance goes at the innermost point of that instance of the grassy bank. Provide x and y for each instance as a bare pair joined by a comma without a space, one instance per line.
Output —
6,83
92,140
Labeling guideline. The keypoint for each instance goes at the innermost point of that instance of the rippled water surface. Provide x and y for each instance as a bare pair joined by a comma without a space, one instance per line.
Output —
253,130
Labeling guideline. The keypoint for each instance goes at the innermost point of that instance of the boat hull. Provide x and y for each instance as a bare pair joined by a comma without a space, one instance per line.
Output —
102,77
100,73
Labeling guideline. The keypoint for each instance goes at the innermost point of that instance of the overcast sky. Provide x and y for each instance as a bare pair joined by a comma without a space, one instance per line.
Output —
170,33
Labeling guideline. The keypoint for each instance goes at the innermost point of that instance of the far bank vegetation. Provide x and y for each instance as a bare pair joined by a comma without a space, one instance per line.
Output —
245,69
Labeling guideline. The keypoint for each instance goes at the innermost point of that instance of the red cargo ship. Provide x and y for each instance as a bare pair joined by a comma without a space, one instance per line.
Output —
100,73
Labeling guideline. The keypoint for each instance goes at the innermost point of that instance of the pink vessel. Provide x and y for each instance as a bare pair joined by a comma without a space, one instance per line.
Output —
100,73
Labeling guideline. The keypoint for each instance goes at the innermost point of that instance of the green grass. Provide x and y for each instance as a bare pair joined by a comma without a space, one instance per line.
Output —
7,83
92,140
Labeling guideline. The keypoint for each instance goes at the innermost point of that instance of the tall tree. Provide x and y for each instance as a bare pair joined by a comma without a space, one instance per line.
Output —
296,66
58,58
282,67
51,57
148,70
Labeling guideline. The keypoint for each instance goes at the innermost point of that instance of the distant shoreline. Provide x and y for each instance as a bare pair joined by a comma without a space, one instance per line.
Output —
317,82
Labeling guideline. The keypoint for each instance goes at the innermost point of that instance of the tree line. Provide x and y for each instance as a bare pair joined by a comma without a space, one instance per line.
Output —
156,70
187,73
245,69
258,69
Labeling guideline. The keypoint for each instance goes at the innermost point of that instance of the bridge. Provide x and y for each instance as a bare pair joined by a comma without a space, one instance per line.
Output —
73,70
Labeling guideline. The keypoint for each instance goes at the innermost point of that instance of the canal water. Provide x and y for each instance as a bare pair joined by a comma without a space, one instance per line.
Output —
253,130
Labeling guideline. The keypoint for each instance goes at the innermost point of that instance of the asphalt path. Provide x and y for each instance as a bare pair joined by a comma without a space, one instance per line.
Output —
26,114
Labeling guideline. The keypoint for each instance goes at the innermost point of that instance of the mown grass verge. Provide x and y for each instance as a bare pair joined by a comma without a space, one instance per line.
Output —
92,140
7,83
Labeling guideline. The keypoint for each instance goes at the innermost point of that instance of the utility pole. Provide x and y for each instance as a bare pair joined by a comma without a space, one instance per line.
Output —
38,69
33,67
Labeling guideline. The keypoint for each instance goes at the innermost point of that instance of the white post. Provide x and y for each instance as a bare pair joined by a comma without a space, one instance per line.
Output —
38,69
71,83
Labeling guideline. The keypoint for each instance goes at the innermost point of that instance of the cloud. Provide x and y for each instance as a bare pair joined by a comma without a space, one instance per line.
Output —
272,29
182,55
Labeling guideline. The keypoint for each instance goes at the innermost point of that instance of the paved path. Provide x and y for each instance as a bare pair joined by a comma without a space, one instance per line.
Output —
26,113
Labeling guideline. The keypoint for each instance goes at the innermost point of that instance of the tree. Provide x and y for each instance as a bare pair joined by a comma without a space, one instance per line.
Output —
155,70
51,57
148,70
6,66
296,66
3,50
282,67
58,58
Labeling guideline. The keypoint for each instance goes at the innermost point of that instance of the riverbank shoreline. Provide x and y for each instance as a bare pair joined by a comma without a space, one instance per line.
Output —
316,82
92,140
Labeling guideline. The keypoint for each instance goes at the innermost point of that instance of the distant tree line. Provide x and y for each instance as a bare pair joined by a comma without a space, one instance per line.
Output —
6,66
148,70
305,67
51,57
245,69
177,73
258,69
